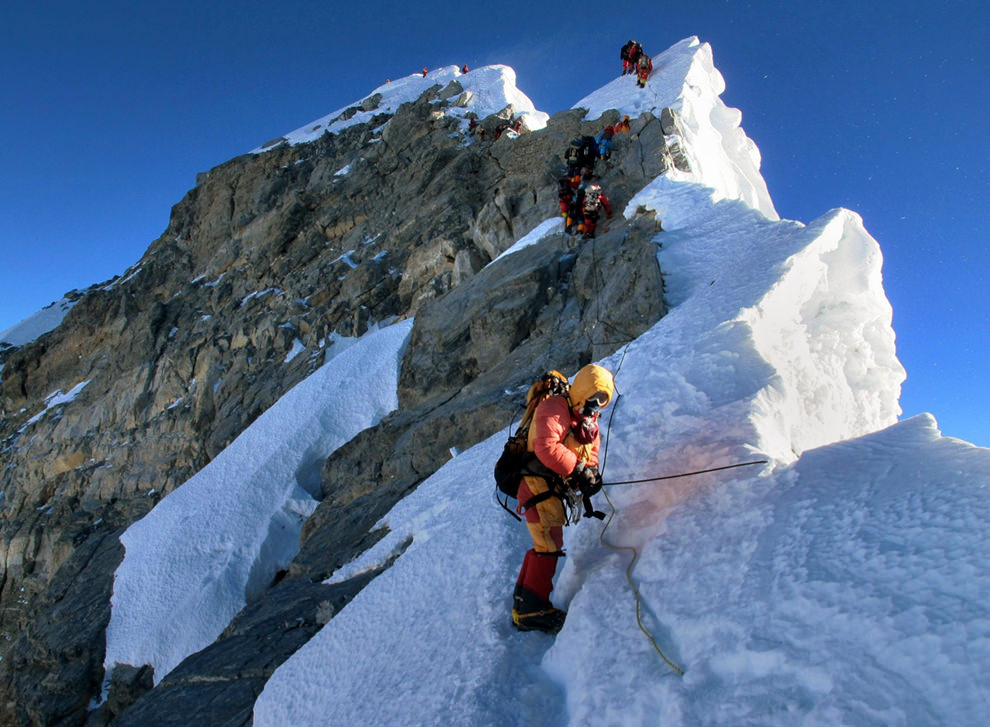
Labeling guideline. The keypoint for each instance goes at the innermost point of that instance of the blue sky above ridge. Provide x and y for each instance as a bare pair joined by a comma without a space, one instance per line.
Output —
112,108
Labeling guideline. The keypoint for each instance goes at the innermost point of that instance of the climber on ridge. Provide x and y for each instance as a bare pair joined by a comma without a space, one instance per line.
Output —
604,142
630,54
594,201
644,67
564,437
571,199
581,153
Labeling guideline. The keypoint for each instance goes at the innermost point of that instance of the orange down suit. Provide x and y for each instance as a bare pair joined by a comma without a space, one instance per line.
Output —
553,442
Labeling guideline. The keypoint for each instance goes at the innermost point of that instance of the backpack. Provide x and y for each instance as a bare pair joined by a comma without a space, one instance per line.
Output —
589,150
515,460
592,198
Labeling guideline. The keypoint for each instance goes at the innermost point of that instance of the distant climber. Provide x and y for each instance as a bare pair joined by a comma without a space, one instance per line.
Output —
604,142
644,67
594,202
464,68
629,54
574,222
622,126
581,153
570,207
424,71
564,439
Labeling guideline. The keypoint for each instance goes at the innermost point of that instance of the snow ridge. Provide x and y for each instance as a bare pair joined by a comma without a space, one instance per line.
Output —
486,91
36,325
193,562
685,79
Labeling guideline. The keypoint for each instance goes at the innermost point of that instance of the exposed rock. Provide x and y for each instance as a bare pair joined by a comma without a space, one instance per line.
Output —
54,668
127,684
169,362
219,685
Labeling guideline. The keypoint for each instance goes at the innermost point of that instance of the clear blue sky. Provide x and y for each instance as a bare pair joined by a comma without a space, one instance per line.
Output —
111,108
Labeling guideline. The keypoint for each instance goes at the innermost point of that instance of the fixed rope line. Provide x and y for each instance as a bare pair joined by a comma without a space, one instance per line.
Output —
635,553
635,589
687,474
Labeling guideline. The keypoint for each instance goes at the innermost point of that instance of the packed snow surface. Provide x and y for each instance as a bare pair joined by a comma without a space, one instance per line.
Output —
841,581
483,91
217,540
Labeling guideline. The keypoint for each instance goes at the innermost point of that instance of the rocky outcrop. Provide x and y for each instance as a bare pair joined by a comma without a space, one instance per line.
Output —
263,265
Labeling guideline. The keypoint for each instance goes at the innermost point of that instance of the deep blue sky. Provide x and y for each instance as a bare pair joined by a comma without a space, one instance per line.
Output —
109,109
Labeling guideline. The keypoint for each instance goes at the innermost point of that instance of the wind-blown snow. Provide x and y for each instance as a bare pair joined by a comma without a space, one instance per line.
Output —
217,540
841,582
485,91
36,325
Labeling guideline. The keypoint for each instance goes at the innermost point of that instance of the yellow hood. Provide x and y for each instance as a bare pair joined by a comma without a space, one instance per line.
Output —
590,379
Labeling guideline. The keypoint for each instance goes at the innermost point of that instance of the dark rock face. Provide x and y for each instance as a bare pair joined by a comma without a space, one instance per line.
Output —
270,255
219,685
55,666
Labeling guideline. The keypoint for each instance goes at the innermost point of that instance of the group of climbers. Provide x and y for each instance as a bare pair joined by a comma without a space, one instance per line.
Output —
551,463
477,130
582,200
464,69
572,189
635,60
560,428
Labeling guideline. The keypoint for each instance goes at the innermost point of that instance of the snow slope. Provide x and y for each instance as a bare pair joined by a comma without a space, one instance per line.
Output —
842,582
194,560
700,389
486,91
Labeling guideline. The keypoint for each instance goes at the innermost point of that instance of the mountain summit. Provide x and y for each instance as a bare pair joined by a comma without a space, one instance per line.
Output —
249,482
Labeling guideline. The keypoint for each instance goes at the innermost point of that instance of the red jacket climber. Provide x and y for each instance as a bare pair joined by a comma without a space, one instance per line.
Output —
564,437
644,67
630,54
595,200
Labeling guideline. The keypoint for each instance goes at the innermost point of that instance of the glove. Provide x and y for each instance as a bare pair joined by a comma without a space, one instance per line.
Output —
586,478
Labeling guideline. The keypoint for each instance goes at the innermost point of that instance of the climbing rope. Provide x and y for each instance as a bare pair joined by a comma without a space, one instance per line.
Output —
635,553
688,474
635,589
